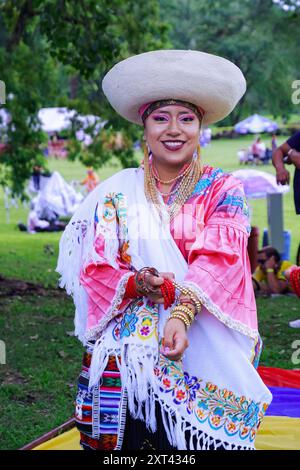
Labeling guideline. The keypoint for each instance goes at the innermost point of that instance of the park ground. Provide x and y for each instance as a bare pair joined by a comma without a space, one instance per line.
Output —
38,381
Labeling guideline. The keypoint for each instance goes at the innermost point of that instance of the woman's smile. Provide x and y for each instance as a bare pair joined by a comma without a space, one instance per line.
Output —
173,145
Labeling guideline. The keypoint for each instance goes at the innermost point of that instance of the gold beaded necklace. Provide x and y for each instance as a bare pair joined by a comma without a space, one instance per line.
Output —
180,175
184,190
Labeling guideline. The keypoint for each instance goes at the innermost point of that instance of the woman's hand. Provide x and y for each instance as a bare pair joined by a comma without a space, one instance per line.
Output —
175,339
154,282
270,263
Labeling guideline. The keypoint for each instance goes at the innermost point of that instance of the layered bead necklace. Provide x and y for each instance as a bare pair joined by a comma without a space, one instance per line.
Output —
183,191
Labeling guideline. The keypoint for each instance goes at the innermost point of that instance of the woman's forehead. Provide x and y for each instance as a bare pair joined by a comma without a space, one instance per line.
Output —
173,109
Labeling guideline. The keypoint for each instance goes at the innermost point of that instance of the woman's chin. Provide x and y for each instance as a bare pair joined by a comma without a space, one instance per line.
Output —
174,159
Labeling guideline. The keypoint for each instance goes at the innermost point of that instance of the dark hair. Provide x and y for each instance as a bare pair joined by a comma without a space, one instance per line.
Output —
270,251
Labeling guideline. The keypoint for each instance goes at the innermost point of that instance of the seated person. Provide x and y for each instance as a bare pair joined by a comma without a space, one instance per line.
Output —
266,157
292,274
37,224
34,223
242,156
268,277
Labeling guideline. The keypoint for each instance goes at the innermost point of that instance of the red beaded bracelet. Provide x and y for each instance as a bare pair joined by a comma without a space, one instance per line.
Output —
168,293
295,281
131,291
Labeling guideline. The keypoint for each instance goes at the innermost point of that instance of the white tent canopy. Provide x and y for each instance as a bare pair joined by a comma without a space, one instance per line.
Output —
257,184
58,119
255,124
55,119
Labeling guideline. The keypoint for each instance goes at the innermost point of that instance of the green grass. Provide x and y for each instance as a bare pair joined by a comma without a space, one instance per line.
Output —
39,379
274,315
38,382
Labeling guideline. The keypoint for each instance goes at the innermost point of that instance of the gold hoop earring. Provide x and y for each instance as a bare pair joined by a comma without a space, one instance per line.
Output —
199,152
198,160
146,167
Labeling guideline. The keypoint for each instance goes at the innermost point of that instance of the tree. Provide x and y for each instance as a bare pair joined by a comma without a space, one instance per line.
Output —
43,43
257,35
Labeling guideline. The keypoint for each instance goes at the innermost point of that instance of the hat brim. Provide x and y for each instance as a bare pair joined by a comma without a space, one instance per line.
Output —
208,81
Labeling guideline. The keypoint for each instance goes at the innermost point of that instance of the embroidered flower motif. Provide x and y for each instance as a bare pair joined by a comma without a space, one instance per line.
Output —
206,181
200,414
109,212
226,393
180,395
145,330
231,427
117,332
124,253
220,408
216,420
252,414
211,387
128,324
166,383
244,431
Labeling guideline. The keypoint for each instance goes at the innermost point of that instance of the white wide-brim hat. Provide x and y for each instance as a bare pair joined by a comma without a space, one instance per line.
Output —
208,81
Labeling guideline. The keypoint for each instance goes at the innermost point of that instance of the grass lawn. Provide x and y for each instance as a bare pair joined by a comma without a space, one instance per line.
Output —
38,382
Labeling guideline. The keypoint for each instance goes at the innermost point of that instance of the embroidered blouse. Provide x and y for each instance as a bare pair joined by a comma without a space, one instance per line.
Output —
211,231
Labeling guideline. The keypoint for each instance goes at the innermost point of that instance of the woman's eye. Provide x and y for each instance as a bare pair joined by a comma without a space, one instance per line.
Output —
187,119
160,118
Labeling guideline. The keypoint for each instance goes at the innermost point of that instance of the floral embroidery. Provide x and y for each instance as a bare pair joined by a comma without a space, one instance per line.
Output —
109,212
235,204
181,386
114,209
128,324
256,351
220,408
137,320
147,327
206,180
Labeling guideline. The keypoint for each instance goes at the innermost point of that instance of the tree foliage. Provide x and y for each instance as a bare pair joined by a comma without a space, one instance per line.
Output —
259,36
56,52
43,44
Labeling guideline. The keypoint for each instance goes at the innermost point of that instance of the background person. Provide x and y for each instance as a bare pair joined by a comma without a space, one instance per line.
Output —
269,278
91,180
289,153
292,275
256,150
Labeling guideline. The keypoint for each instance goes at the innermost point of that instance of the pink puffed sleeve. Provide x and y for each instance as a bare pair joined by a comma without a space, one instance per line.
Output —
219,269
105,286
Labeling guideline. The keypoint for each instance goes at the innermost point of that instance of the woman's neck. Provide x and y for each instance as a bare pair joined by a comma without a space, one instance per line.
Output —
167,172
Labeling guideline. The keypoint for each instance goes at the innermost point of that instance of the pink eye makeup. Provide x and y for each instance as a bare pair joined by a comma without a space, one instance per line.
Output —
160,117
187,118
165,117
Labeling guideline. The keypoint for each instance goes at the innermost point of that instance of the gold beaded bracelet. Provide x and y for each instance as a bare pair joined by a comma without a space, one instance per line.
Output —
182,317
183,309
190,293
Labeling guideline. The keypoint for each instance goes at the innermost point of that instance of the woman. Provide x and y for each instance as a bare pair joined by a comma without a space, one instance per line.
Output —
156,259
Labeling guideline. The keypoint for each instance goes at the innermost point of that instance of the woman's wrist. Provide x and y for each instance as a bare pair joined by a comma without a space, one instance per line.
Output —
182,312
131,290
142,286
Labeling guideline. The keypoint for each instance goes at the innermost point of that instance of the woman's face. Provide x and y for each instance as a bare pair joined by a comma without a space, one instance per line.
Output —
172,133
